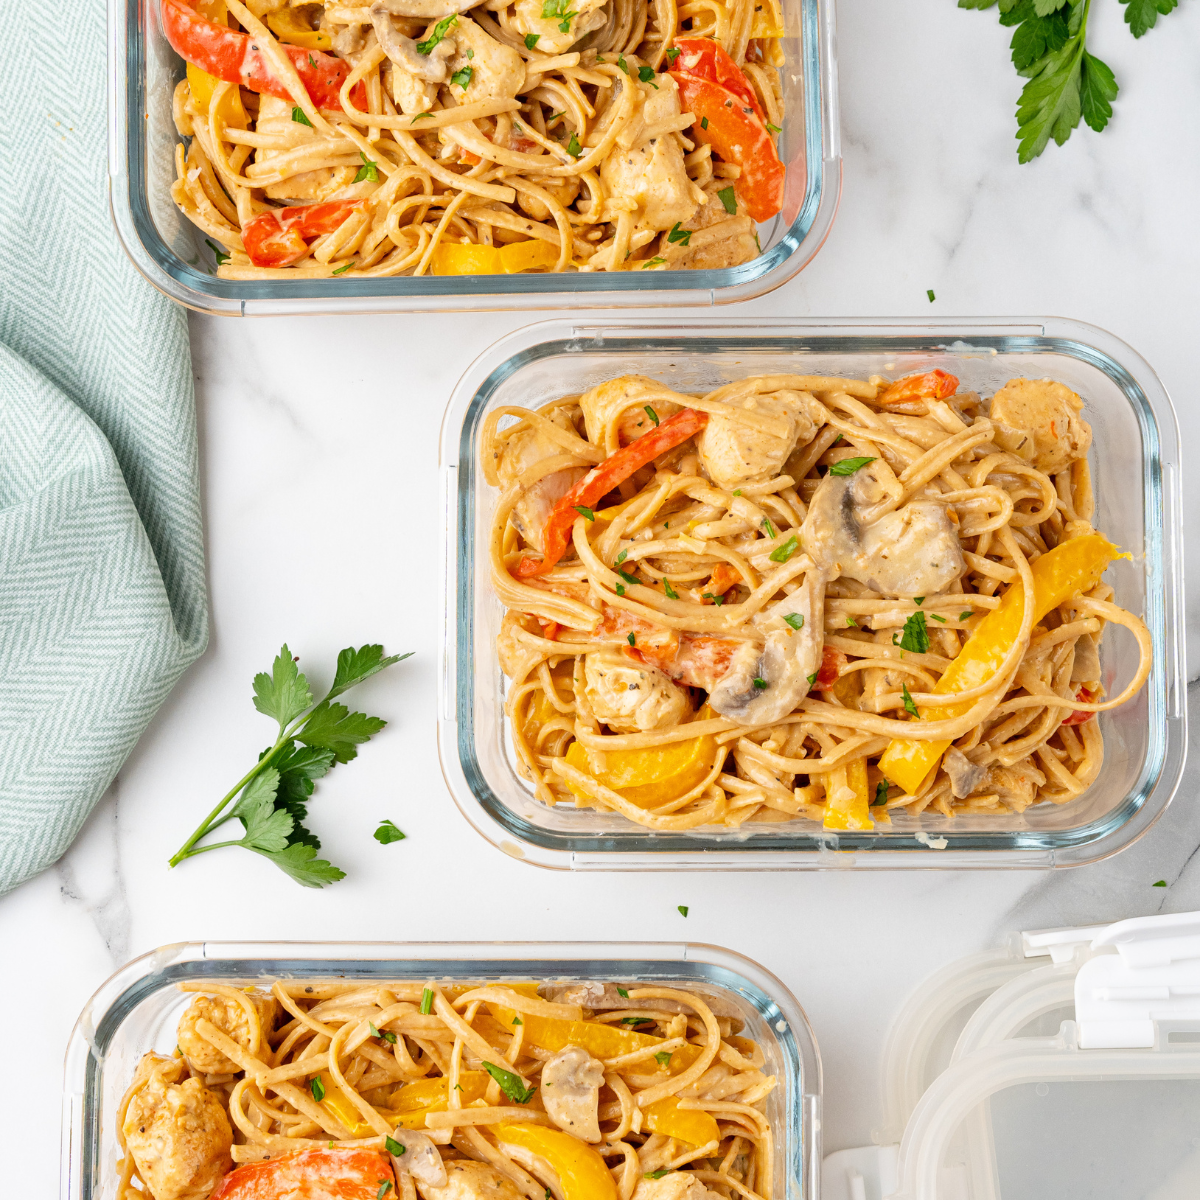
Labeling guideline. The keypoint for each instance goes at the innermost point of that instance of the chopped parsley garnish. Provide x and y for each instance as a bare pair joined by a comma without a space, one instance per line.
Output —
531,40
672,55
388,833
812,679
915,636
384,1188
318,1089
683,909
427,1002
795,620
574,149
929,293
935,617
623,64
584,511
368,171
625,575
632,639
312,62
717,600
836,441
622,993
344,268
909,706
773,128
881,791
300,116
727,198
657,1174
670,591
1160,883
965,615
760,683
457,1087
463,77
651,413
636,1020
703,122
517,1021
918,600
557,10
847,466
653,262
439,31
622,557
470,52
663,1057
385,1035
620,589
738,492
769,527
646,75
850,623
221,257
394,1147
422,116
511,1085
679,235
782,553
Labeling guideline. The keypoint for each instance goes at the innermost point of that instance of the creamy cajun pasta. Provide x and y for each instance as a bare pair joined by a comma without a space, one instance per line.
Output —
302,1090
459,137
799,597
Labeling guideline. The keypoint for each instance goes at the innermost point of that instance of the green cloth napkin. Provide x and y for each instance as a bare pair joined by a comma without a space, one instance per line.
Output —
102,592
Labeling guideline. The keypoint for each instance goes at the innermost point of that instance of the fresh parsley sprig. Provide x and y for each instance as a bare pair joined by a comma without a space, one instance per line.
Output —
1066,82
271,799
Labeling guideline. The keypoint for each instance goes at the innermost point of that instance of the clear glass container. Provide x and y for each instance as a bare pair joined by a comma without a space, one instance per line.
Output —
1135,465
138,1010
171,253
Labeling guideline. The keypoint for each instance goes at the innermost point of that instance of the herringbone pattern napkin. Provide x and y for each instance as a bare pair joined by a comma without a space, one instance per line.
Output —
102,595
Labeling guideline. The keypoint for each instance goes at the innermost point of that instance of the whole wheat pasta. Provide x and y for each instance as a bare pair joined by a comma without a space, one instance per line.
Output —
644,1081
745,605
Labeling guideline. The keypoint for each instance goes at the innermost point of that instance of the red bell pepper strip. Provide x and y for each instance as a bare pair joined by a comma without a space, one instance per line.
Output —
234,57
832,661
934,385
601,480
348,1173
706,59
276,238
732,127
1078,716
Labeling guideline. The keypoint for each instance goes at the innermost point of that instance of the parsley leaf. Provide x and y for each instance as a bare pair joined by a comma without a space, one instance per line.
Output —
300,861
881,793
847,466
267,827
1160,883
621,558
782,553
394,1147
439,31
909,706
717,600
384,1035
637,1020
669,590
318,1089
557,9
632,639
918,600
369,171
384,1188
683,909
622,63
769,527
463,77
353,666
622,993
727,198
531,40
220,255
283,694
625,575
915,636
656,261
301,117
658,1174
703,122
344,268
646,75
795,620
773,128
965,615
850,624
574,149
760,684
426,1001
651,413
584,512
929,293
511,1085
679,235
334,727
935,617
388,833
620,589
672,55
517,1021
1140,15
663,1057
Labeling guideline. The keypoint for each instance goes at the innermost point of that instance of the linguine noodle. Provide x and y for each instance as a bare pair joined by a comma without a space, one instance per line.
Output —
758,621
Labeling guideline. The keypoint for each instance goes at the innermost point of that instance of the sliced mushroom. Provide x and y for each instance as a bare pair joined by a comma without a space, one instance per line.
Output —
911,551
735,452
766,681
430,68
469,1180
601,997
965,776
420,1159
631,696
423,10
571,1083
1086,667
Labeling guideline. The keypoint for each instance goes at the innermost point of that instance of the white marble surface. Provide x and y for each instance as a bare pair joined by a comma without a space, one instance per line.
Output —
319,445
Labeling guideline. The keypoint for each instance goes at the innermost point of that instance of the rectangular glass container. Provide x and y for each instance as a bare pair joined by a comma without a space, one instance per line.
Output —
1135,465
138,1009
171,253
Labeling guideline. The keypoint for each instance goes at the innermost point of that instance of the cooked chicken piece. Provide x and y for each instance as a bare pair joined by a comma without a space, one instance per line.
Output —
425,69
497,71
623,400
651,176
965,776
232,1020
571,1083
469,1180
275,117
1086,667
719,238
911,551
584,17
678,1185
734,452
177,1133
766,681
565,191
527,449
1039,420
631,696
420,1159
346,39
1016,786
604,996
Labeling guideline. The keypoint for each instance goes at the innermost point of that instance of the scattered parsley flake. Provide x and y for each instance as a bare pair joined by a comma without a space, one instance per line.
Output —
220,255
463,77
422,116
727,198
847,466
300,116
517,1021
738,492
812,679
511,1085
622,993
621,557
388,833
683,909
909,706
651,414
439,31
557,10
1160,883
663,1057
531,40
795,620
881,793
657,1174
317,1088
682,236
782,553
929,293
915,636
760,684
850,623
773,128
769,527
717,600
672,55
394,1147
312,62
656,261
703,122
935,617
369,171
426,1001
965,614
646,75
384,1188
625,575
636,1020
669,590
620,589
344,268
918,600
584,512
632,639
623,64
574,149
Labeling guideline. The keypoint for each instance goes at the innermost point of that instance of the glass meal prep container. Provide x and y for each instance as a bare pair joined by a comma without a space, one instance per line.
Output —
171,252
1134,460
138,1010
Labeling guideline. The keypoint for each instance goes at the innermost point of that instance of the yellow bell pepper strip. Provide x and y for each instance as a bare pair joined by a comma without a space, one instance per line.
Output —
415,1101
453,258
688,1125
652,776
287,26
580,1169
202,85
848,803
1072,566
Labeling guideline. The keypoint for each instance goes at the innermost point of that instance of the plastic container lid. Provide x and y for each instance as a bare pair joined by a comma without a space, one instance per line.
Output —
1073,1071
